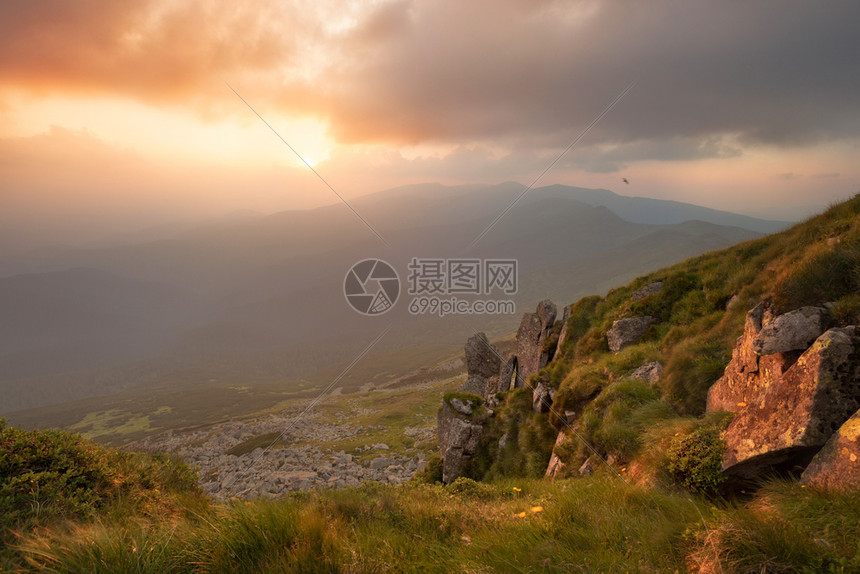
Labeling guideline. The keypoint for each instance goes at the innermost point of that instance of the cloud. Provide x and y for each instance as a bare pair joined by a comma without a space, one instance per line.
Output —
151,50
517,74
766,72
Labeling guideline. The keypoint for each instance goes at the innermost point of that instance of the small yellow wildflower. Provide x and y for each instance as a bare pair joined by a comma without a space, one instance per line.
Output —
517,489
521,514
742,404
536,509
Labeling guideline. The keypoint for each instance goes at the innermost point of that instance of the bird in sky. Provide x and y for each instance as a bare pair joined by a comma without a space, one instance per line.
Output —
624,179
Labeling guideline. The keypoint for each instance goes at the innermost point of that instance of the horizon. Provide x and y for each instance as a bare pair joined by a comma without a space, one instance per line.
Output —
123,117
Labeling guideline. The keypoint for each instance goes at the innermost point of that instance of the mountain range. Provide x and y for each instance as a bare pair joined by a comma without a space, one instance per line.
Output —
259,299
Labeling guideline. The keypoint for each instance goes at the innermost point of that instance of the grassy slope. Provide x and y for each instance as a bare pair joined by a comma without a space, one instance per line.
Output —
702,308
600,523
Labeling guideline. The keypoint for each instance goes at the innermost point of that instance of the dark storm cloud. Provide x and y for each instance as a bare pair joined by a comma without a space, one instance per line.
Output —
774,72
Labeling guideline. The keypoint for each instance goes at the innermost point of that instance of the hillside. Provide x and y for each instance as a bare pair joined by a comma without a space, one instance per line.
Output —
691,315
651,501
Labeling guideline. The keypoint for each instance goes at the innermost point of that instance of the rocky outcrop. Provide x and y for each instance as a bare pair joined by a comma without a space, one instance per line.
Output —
649,372
647,291
837,465
748,374
483,362
625,332
793,331
508,376
562,335
458,435
531,336
796,413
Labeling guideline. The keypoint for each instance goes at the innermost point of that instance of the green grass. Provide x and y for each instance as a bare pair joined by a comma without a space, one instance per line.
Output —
270,439
597,524
69,505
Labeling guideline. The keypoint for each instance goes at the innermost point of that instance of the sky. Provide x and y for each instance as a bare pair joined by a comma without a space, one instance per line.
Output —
117,115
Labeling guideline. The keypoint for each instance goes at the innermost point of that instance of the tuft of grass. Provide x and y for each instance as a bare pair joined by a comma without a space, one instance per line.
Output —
249,445
786,528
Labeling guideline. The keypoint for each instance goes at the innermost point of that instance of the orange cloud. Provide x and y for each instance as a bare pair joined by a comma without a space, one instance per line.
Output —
152,50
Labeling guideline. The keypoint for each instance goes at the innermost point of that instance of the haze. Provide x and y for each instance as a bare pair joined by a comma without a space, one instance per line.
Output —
115,116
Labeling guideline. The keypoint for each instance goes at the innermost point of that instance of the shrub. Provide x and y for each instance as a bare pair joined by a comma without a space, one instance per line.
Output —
51,475
695,460
432,472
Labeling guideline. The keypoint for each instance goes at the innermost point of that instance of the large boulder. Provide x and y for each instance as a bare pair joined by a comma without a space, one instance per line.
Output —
458,436
796,414
625,332
483,362
837,465
531,356
748,374
793,331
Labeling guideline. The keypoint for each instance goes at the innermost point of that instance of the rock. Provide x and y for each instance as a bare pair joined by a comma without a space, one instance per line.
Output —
464,408
797,414
458,440
228,480
507,374
482,357
556,465
648,371
503,440
542,398
625,332
483,363
747,374
531,356
793,331
462,444
562,335
837,465
646,291
380,462
588,467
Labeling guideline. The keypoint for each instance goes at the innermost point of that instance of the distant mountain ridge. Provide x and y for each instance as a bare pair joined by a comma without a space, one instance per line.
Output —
260,298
